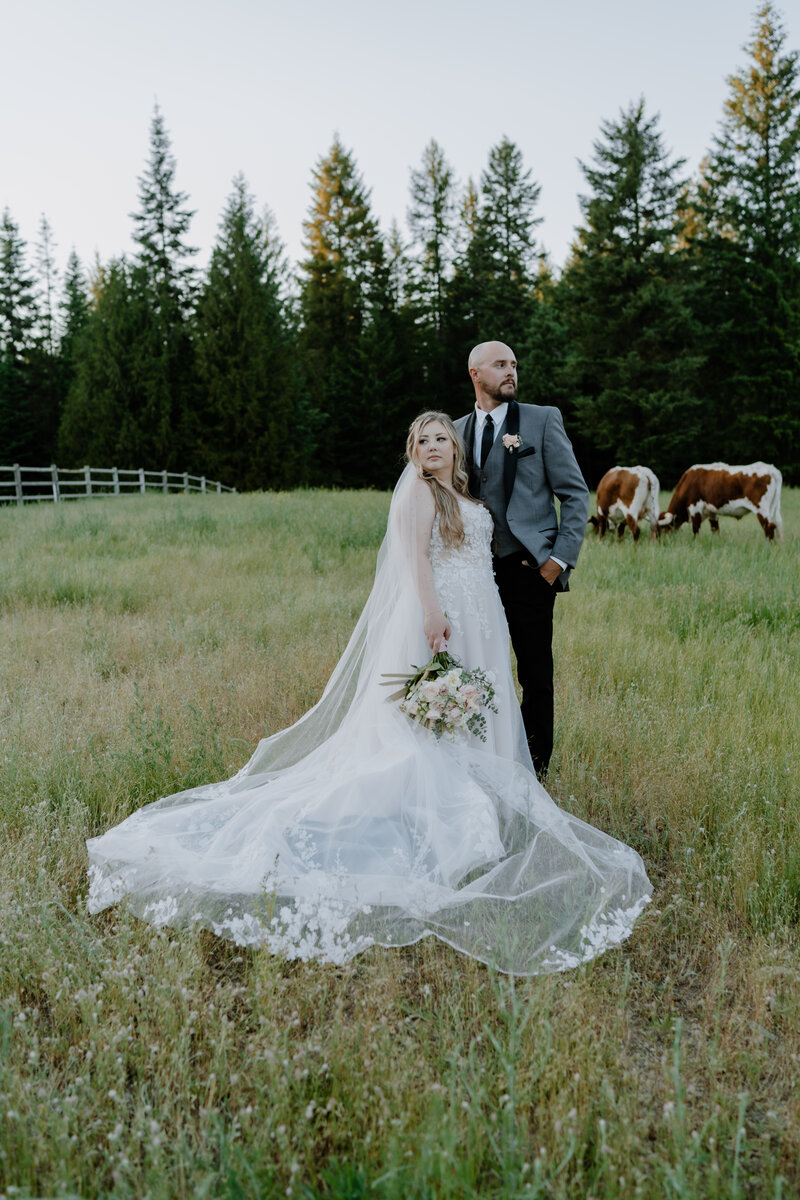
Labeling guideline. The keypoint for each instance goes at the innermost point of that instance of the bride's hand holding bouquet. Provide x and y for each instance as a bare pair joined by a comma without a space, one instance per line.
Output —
445,697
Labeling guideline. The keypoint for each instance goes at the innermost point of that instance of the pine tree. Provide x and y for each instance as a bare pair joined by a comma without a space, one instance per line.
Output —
399,267
746,250
18,315
502,255
161,227
75,310
543,349
754,168
17,299
345,286
163,281
493,288
250,427
47,271
462,330
430,218
102,422
396,382
625,297
46,390
129,400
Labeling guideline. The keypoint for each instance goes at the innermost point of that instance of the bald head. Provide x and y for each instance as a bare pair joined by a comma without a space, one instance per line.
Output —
493,371
485,351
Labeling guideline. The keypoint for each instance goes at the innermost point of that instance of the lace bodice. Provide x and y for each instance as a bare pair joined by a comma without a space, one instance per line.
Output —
463,574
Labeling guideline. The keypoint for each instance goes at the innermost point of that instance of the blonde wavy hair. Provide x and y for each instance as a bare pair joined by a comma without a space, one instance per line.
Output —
451,526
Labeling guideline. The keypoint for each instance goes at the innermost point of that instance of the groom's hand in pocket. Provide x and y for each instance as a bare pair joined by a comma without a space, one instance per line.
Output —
550,571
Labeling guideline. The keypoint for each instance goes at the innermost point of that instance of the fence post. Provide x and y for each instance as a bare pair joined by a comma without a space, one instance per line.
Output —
87,480
186,481
54,478
141,480
202,483
17,483
219,488
115,478
164,484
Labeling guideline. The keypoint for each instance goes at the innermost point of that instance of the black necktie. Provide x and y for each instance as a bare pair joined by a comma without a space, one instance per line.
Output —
487,438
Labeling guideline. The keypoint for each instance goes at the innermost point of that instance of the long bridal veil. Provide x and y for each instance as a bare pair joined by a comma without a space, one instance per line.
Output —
356,827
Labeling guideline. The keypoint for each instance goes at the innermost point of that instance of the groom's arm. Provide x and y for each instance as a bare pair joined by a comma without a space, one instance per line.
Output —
567,483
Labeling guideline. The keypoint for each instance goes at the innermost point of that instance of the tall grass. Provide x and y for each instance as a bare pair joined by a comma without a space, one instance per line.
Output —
147,644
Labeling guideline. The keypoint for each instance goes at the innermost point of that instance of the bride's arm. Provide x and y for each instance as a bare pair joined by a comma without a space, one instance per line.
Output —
437,627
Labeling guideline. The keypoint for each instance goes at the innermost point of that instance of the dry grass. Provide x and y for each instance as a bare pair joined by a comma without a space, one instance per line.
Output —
148,643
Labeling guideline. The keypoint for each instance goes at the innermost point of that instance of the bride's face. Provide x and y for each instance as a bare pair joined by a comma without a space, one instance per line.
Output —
435,451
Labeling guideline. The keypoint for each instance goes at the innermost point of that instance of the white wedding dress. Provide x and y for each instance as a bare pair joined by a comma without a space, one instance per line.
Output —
356,827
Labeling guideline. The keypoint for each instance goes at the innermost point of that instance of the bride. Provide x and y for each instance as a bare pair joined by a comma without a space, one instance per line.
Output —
356,826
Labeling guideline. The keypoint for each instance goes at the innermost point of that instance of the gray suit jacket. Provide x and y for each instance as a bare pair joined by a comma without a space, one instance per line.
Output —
544,467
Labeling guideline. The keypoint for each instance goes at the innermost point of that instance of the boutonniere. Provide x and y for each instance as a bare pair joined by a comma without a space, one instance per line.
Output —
512,442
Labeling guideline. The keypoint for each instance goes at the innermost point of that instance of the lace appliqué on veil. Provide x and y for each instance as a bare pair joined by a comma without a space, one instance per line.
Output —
607,929
307,928
460,573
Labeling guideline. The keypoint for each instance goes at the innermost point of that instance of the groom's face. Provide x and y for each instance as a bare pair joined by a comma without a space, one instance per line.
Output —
497,374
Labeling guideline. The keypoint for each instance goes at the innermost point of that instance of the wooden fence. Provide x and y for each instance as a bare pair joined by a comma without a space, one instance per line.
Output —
22,484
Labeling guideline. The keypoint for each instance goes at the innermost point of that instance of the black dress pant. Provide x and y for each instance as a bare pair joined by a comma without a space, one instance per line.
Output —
528,600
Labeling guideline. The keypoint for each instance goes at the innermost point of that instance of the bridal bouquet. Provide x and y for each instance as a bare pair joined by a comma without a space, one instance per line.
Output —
446,697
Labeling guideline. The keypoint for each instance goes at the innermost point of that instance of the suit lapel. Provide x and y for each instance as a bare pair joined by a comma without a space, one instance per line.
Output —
469,445
510,460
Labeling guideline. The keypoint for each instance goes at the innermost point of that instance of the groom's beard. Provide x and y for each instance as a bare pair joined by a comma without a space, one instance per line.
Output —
503,393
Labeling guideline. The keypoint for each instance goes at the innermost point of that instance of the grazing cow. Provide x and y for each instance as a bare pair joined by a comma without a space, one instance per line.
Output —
626,495
715,489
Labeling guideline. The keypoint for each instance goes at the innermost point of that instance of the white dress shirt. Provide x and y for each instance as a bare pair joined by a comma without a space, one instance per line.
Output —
498,416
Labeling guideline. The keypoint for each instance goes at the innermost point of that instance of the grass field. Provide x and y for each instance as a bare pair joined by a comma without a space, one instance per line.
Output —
148,643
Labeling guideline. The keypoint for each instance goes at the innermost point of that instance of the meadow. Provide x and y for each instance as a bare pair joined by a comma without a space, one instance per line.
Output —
147,643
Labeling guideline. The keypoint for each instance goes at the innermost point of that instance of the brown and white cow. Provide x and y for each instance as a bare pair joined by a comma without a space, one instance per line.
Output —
713,490
626,496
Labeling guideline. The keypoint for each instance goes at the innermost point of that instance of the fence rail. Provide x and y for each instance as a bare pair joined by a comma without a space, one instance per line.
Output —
23,484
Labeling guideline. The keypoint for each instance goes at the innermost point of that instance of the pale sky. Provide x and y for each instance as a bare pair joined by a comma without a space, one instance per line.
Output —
261,87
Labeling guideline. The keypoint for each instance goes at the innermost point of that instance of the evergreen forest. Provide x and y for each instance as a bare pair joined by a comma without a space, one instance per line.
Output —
670,336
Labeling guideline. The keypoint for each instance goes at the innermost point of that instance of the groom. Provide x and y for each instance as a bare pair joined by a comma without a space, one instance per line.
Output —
519,458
